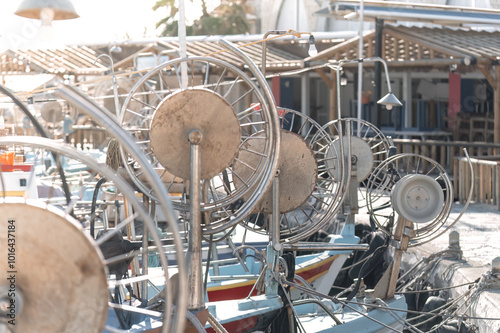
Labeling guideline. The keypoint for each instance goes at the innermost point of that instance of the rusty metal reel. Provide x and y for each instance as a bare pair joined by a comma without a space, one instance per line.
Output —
308,196
297,172
228,108
56,272
187,110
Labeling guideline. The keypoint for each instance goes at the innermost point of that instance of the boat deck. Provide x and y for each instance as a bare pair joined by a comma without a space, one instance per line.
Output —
479,240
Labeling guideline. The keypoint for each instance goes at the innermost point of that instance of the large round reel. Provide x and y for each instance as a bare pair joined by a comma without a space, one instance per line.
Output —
412,187
65,276
369,148
57,271
229,110
308,196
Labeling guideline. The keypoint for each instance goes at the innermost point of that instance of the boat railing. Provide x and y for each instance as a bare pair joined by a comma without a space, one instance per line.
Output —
444,152
313,246
234,277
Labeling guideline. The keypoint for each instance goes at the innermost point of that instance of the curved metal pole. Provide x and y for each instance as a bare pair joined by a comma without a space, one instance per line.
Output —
76,98
467,202
114,83
42,133
23,108
264,47
360,65
125,188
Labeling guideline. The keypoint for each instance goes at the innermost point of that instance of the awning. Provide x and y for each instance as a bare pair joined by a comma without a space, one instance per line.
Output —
413,12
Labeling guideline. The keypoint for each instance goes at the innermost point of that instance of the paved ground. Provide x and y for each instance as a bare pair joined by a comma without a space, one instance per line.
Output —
479,230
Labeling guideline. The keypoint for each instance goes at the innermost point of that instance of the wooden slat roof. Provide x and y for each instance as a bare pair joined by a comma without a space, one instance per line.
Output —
402,46
79,60
414,46
275,56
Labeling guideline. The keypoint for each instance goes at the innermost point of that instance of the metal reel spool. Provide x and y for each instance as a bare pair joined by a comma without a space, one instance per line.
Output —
103,92
308,196
417,198
369,149
60,270
412,187
228,108
52,112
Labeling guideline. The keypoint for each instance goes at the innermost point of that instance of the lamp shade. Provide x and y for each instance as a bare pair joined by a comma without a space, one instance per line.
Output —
389,100
63,9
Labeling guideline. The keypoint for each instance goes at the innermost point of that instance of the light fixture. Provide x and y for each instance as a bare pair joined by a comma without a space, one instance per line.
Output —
46,11
389,101
343,79
46,31
312,47
62,9
115,48
264,47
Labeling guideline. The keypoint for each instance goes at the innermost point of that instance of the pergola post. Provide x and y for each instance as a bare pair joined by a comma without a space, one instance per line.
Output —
494,81
332,86
496,107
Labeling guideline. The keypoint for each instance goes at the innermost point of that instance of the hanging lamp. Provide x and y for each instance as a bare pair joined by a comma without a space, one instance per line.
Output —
59,9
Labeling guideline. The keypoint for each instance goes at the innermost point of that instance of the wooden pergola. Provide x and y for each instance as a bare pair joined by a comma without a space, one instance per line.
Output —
423,49
72,60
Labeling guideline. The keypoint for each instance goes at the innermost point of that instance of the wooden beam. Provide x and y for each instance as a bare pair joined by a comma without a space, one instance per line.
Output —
131,57
487,74
335,50
325,78
370,48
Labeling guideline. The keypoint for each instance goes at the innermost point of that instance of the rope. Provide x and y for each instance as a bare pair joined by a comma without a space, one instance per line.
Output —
195,322
215,324
93,206
113,157
435,289
337,301
399,319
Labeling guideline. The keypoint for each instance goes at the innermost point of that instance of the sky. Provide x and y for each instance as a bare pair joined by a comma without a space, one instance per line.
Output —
100,22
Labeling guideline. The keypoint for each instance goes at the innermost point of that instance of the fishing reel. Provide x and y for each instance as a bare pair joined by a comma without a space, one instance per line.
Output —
308,195
414,188
229,110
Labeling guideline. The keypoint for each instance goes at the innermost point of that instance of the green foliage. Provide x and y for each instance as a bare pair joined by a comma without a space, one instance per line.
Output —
228,18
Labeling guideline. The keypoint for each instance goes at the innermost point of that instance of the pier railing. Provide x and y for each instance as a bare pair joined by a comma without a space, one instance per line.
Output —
486,180
485,158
